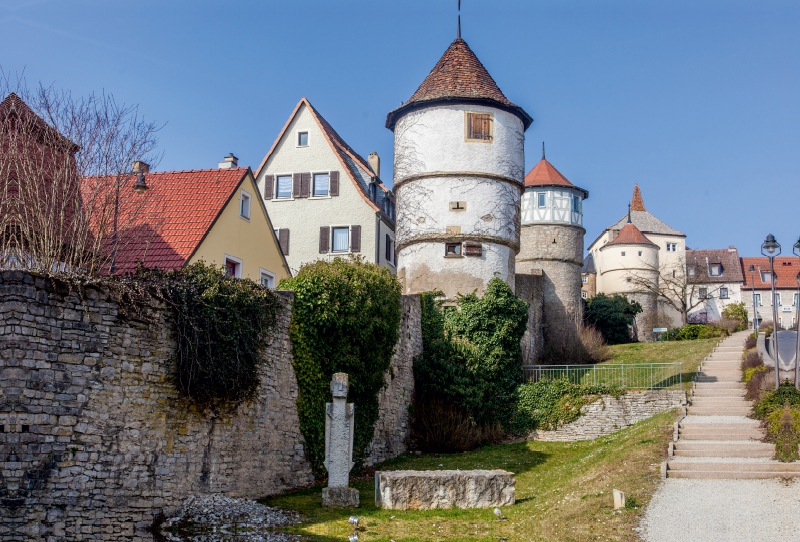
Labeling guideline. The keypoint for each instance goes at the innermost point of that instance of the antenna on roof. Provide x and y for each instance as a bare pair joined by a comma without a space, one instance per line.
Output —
459,18
629,214
542,150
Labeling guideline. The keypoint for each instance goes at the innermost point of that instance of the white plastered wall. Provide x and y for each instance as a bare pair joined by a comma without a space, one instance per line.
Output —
558,207
305,216
618,268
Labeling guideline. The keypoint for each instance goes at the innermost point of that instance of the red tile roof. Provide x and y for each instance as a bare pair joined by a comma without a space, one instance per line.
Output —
637,203
786,270
458,76
179,210
14,107
544,174
630,235
701,259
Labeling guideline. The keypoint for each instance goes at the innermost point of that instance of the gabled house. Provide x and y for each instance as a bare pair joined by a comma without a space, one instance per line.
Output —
715,279
324,199
213,215
757,289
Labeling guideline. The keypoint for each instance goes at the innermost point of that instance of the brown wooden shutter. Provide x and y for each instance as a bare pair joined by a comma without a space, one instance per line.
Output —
473,249
296,181
355,238
324,239
388,255
283,240
305,184
334,188
269,182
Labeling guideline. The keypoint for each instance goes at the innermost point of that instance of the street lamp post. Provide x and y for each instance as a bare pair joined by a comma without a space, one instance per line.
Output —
752,270
770,248
796,250
140,187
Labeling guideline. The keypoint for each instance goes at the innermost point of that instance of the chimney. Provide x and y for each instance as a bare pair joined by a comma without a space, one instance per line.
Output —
229,162
140,167
375,163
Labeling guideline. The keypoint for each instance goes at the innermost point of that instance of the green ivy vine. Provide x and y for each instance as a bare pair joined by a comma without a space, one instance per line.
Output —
345,318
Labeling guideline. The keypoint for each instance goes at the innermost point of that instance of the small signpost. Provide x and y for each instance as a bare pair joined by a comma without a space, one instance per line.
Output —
659,330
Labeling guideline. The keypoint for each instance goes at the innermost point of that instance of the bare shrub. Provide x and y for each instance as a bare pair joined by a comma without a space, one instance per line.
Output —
579,343
750,342
594,346
442,427
752,360
759,383
727,323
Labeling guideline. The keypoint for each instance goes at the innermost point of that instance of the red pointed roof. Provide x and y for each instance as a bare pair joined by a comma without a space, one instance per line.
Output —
458,76
630,235
637,203
545,174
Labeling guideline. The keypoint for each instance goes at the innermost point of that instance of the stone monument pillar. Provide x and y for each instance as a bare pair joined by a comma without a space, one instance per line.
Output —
339,428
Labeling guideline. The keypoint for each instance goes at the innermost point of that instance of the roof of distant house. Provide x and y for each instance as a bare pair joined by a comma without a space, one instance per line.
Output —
14,106
588,265
177,213
630,235
545,174
458,77
786,271
702,260
642,219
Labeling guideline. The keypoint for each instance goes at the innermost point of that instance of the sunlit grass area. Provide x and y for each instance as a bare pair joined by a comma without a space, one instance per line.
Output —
563,492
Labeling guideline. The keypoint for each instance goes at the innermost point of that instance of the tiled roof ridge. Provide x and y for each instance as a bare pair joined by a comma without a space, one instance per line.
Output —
545,168
630,235
459,74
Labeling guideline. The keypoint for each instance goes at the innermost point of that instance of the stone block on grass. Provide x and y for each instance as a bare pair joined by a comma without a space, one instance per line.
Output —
340,497
426,490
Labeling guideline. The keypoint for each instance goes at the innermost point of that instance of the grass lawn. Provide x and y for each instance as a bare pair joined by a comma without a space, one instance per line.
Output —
690,353
563,492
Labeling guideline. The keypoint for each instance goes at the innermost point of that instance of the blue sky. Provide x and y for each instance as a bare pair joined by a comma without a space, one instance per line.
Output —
697,101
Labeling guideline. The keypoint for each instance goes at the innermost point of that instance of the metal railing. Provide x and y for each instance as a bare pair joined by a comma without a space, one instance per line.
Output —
641,376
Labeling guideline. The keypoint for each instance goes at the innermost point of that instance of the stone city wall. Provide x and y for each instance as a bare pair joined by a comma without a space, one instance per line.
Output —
95,441
609,414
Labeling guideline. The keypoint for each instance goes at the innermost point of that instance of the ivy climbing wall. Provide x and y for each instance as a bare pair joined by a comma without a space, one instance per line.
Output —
97,444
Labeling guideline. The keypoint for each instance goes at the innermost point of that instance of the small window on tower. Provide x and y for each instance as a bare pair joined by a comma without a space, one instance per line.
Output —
479,127
452,250
542,200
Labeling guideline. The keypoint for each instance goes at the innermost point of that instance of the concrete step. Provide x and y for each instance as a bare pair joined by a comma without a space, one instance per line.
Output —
723,449
719,392
729,475
746,465
711,379
720,402
733,365
718,410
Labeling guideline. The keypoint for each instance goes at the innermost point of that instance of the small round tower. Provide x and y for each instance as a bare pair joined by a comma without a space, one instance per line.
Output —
459,166
629,260
552,241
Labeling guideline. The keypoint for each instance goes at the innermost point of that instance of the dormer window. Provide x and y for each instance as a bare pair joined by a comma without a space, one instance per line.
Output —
715,270
480,127
766,277
302,139
691,272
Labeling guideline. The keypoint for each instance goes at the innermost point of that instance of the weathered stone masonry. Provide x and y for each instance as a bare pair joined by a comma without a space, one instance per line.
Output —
96,441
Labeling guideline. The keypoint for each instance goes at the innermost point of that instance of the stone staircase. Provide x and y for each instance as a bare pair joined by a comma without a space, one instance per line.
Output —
716,439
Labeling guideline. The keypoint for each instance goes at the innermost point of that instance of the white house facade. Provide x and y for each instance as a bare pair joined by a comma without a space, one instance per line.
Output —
324,199
758,287
716,281
459,166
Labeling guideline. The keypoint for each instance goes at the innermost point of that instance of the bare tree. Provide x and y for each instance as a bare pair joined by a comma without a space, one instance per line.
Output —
68,203
675,285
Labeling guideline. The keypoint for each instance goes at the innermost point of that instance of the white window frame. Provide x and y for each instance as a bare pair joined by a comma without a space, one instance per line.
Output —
245,195
270,277
584,295
275,196
794,299
759,299
297,139
777,299
238,262
539,197
349,238
312,195
584,279
723,292
711,269
702,293
764,275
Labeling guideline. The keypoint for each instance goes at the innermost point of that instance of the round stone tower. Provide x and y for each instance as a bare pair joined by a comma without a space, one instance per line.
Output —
628,261
552,241
459,167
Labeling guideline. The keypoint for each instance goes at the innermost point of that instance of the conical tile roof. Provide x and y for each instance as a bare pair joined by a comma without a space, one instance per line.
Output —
458,76
630,235
545,174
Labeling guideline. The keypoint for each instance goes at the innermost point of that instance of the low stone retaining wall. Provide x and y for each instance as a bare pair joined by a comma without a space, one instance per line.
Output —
425,490
609,414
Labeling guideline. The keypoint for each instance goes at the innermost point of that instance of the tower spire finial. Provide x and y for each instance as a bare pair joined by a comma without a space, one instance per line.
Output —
459,18
542,150
629,214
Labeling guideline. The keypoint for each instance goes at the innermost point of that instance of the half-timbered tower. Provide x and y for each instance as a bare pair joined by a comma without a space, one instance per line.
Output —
552,241
459,168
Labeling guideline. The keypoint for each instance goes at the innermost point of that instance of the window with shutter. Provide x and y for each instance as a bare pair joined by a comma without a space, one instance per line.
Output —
321,184
334,183
283,240
269,182
324,239
341,239
355,238
479,127
305,185
473,249
284,187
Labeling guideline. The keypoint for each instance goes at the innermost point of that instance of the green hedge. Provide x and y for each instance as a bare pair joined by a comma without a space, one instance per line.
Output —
345,318
549,404
691,332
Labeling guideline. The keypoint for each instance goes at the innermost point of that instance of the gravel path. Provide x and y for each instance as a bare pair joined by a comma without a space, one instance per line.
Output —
723,510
